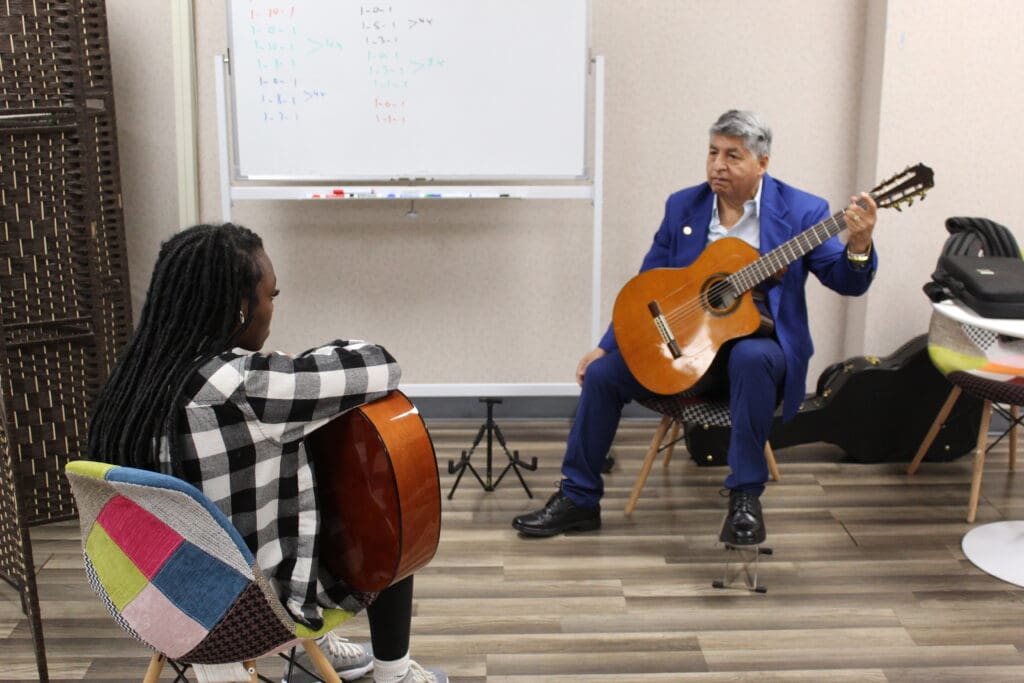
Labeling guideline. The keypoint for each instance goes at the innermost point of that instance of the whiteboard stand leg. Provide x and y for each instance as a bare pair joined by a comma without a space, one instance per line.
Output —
595,311
222,139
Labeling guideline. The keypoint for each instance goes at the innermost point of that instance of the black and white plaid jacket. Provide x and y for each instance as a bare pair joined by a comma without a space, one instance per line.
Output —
244,420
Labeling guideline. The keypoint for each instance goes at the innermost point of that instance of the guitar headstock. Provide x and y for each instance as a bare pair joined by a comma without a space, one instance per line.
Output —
902,188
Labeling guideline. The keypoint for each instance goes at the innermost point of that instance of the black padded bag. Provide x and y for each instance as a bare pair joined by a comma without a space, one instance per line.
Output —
992,287
971,237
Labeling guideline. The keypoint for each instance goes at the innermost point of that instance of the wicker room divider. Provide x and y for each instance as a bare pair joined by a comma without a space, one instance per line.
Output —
64,298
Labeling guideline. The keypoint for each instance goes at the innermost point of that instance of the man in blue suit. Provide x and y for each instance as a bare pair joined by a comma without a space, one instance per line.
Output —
739,200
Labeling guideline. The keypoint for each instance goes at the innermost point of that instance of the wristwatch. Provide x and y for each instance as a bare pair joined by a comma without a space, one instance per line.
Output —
859,260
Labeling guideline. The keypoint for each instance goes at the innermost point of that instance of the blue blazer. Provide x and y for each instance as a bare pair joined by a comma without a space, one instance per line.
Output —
785,212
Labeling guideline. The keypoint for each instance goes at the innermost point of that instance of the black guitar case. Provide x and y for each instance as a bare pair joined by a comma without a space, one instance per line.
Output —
875,409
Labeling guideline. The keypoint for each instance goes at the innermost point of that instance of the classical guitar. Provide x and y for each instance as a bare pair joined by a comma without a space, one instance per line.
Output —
670,322
379,493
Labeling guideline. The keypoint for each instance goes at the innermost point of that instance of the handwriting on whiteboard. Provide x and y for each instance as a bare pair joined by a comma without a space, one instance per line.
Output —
393,48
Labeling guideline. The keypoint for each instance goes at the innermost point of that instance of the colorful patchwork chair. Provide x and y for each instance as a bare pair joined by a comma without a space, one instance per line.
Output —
177,576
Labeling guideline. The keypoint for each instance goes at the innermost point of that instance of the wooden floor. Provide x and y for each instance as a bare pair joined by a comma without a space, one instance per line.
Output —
867,581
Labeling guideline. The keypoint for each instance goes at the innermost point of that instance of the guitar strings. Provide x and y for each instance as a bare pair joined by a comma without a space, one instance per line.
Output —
696,306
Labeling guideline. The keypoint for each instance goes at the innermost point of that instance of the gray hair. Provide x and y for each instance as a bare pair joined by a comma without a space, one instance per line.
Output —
748,126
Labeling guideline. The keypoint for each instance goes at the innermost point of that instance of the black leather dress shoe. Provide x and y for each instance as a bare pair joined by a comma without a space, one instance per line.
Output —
558,516
744,525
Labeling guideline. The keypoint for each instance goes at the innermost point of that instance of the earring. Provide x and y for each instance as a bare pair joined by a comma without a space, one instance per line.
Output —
241,317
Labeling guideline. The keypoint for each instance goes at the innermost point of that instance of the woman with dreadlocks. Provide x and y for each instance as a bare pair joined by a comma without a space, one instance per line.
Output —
193,396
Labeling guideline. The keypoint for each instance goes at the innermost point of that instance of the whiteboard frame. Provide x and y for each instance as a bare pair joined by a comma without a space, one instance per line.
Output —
234,162
594,191
500,390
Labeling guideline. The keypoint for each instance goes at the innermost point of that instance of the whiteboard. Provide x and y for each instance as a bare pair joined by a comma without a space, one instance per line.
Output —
408,89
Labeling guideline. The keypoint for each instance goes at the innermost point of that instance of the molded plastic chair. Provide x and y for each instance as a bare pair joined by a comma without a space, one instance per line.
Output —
177,576
981,356
677,412
985,363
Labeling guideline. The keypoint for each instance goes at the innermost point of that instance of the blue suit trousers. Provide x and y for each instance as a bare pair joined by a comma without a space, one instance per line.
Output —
753,376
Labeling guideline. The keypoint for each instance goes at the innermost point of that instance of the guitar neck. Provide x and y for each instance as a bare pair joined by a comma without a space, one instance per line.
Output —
753,274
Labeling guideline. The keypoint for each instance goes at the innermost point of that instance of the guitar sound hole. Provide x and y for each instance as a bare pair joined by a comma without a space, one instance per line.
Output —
718,296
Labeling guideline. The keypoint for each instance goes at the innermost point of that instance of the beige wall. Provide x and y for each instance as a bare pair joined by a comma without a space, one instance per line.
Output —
499,291
951,95
141,55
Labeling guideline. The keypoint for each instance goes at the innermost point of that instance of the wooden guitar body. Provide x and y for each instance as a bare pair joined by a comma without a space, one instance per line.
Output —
379,493
697,313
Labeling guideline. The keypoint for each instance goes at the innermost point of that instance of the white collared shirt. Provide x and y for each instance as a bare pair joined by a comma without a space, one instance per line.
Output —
747,228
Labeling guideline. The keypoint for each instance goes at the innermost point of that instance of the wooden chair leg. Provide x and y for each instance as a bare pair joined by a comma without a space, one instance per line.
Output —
672,438
1015,414
769,456
645,468
250,666
979,461
933,431
156,665
327,672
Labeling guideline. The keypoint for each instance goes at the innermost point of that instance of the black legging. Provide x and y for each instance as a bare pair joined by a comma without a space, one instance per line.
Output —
390,618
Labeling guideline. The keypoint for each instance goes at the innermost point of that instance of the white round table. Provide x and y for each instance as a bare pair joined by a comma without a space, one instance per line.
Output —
997,548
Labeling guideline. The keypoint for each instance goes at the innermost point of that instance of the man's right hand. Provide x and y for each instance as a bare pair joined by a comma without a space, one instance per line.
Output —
581,369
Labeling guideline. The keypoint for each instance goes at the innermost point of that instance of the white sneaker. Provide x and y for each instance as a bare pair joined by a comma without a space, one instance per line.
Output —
417,674
350,660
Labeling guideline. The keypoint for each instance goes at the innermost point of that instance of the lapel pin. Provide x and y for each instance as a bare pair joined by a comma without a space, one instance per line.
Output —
687,230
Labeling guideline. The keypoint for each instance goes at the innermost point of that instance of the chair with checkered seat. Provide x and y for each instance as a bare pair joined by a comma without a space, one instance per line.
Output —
985,359
681,412
177,576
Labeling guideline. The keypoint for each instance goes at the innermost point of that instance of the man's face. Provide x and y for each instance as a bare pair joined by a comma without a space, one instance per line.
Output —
733,171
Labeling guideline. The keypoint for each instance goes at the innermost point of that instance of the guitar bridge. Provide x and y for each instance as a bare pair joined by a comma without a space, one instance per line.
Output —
663,329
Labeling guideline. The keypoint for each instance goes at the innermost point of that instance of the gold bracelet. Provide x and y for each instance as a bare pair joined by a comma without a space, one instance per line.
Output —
858,258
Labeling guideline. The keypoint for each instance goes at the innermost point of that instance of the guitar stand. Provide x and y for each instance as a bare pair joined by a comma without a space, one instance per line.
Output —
514,462
749,555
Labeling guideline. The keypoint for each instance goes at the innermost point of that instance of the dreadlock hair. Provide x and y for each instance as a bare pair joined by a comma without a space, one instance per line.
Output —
191,313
